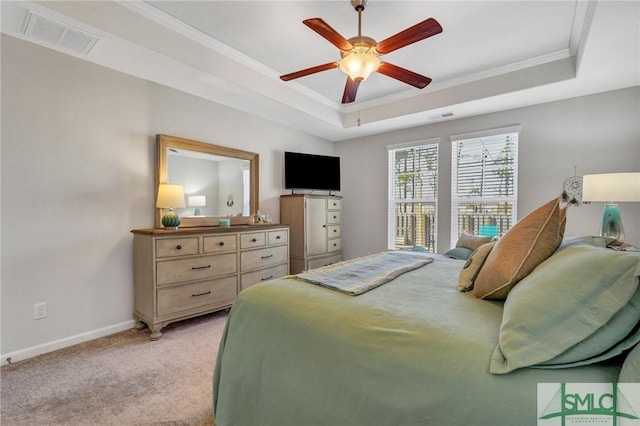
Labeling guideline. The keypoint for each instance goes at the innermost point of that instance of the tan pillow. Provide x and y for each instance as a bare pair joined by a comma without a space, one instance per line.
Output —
471,269
472,241
527,244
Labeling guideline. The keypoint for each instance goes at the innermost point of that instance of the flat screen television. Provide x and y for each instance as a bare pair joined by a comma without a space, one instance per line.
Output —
311,171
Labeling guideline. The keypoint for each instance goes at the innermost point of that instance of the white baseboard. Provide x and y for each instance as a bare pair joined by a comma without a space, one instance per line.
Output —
66,342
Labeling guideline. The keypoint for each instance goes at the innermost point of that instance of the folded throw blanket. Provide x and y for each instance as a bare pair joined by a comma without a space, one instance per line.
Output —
356,276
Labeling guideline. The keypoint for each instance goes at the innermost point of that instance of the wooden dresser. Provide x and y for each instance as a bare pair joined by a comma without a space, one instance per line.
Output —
183,273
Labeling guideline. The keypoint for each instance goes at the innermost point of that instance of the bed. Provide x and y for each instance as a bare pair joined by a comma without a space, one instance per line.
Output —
417,351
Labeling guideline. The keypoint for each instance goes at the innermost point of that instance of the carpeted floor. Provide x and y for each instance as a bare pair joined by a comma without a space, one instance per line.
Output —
122,379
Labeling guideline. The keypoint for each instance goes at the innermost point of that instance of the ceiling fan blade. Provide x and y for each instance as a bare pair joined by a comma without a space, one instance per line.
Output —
404,75
309,71
420,31
350,90
325,30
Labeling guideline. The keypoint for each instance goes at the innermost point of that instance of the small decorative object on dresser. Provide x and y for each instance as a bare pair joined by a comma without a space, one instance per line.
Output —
183,273
315,229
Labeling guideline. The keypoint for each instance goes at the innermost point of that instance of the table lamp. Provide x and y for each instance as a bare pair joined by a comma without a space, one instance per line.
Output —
170,196
197,201
611,188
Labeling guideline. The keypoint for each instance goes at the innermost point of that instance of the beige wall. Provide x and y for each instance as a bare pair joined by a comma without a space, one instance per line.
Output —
78,172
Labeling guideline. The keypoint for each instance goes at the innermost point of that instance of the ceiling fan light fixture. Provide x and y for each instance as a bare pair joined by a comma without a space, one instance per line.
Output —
359,65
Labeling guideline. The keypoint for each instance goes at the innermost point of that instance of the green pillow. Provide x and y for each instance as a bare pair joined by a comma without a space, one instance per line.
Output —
461,253
591,240
630,372
576,305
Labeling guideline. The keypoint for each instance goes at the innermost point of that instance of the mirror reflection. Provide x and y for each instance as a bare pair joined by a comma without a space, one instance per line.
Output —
213,185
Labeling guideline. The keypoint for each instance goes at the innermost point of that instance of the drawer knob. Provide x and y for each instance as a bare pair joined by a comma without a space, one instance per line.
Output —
335,217
278,237
267,278
200,267
178,247
221,243
266,257
253,240
335,230
201,294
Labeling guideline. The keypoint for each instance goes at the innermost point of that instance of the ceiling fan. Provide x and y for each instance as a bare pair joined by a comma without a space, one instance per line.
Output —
361,54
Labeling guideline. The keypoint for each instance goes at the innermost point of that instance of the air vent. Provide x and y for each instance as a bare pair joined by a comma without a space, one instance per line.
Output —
58,34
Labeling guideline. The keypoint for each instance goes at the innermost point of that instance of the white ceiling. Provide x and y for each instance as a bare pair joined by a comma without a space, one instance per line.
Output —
491,55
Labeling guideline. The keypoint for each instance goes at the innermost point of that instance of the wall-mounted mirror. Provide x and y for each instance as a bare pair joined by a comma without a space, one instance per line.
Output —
218,181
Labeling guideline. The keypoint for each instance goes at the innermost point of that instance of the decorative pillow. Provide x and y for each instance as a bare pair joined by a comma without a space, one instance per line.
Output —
462,253
630,372
523,247
580,303
472,241
591,240
466,245
615,331
471,269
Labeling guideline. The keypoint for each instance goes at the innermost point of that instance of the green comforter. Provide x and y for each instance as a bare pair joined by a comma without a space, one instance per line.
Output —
411,352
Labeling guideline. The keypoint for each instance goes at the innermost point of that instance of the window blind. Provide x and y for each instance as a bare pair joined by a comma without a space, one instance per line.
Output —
484,182
413,196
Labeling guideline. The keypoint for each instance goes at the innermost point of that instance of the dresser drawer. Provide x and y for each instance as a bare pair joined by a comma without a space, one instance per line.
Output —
278,237
253,239
174,271
168,247
325,261
334,245
218,243
179,298
333,217
250,278
334,204
254,259
333,231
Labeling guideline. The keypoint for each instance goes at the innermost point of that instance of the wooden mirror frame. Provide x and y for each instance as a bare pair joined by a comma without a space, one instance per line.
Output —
164,142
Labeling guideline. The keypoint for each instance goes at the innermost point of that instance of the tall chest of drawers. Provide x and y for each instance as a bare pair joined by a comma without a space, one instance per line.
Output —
315,222
183,273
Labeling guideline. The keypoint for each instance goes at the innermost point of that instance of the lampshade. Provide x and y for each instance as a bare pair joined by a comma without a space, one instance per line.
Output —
618,187
170,196
360,64
196,201
610,187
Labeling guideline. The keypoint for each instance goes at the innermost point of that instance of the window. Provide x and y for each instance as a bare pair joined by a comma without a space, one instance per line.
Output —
484,182
413,196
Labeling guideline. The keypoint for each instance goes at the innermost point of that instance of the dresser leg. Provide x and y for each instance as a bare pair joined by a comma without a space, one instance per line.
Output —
155,334
139,325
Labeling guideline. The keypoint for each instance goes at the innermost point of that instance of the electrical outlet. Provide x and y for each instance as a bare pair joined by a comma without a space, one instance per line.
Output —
40,310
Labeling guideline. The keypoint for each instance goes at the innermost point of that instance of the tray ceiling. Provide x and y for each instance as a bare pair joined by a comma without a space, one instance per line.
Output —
491,55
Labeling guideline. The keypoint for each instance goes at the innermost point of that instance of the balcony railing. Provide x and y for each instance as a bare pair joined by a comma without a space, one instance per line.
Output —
418,228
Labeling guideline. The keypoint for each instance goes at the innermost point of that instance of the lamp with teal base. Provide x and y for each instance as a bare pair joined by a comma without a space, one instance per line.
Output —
609,187
611,226
170,196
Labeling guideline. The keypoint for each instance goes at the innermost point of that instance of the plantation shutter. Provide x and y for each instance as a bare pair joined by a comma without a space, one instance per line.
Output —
484,182
413,196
